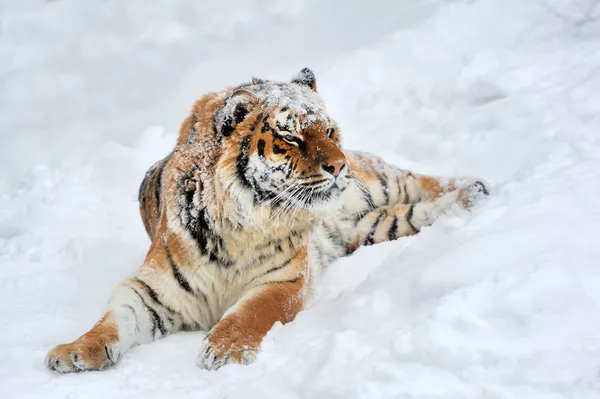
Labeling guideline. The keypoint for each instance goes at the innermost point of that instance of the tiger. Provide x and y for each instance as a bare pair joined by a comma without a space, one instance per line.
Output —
256,198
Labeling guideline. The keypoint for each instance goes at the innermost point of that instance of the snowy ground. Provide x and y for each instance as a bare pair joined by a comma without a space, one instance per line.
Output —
503,302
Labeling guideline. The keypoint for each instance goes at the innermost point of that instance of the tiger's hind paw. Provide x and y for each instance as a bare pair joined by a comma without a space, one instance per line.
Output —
473,193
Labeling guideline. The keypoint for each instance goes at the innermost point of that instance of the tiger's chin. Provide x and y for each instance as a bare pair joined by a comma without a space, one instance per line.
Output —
309,205
323,202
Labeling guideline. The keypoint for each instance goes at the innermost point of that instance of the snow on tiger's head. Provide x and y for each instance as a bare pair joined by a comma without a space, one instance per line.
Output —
277,145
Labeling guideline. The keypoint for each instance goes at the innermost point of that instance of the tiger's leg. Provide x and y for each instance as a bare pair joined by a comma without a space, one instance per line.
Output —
237,336
391,222
385,184
137,313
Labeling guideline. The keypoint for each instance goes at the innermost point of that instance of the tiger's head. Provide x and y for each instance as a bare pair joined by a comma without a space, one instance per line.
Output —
279,146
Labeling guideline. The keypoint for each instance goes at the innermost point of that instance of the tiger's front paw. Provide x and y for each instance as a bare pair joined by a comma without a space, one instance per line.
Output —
213,359
228,343
86,353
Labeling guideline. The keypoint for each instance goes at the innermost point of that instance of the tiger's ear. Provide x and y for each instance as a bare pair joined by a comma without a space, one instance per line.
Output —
236,108
306,77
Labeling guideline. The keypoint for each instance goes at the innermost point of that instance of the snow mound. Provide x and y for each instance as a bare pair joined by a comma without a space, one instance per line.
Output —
500,302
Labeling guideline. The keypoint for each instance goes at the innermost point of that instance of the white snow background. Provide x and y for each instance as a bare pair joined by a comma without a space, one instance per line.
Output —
501,302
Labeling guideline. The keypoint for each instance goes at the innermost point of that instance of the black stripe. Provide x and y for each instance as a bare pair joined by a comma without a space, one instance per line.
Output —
409,215
242,160
108,359
333,235
259,260
149,176
199,231
258,118
141,196
370,240
196,222
291,168
153,295
311,176
261,148
266,127
275,268
358,217
216,252
158,185
278,150
318,250
268,244
405,200
302,146
290,281
384,186
369,199
314,183
239,113
137,327
393,229
156,320
482,188
183,283
400,199
366,193
149,290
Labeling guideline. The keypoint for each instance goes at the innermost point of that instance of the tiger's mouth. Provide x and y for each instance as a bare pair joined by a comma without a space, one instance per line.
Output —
320,197
307,197
332,193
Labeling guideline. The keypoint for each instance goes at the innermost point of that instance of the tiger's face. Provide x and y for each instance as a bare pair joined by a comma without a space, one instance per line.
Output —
288,149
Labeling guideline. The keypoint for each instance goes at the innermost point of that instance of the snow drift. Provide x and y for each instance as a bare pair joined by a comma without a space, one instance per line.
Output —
501,302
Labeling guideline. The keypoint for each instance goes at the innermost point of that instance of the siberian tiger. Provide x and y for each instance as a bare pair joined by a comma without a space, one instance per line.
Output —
256,197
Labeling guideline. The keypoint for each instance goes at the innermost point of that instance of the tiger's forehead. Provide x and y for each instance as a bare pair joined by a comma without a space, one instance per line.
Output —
287,101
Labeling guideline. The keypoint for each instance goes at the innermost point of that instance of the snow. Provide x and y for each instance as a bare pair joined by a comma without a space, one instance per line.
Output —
501,302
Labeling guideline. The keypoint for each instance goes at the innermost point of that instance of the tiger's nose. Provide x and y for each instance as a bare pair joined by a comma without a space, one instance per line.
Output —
334,167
